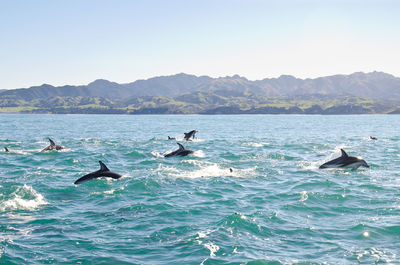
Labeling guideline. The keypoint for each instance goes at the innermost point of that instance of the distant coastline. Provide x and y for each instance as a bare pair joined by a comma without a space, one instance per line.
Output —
358,93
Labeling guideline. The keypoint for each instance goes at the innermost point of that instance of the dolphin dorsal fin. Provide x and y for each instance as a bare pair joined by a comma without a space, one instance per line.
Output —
103,167
6,149
51,142
343,153
181,147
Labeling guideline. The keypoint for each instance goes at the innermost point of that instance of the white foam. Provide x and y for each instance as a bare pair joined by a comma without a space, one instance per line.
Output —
25,198
204,234
209,170
310,165
201,235
199,153
157,154
212,247
196,140
257,144
65,150
111,180
19,152
384,256
163,168
212,170
303,196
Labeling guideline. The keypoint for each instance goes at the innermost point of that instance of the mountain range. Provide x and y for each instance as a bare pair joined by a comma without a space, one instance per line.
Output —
374,92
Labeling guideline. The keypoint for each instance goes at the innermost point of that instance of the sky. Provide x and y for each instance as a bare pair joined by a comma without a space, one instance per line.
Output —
77,41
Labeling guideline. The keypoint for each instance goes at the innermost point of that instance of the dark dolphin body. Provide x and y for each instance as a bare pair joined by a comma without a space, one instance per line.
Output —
102,172
180,152
373,138
345,161
6,149
189,135
171,138
53,146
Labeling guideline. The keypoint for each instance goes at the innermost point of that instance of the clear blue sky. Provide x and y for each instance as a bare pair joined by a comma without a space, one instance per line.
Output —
78,41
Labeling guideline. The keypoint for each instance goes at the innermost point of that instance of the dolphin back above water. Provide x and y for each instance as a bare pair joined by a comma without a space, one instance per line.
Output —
53,146
102,172
182,151
6,150
345,161
189,135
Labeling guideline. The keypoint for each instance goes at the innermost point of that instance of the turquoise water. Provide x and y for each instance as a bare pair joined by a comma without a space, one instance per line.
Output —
276,207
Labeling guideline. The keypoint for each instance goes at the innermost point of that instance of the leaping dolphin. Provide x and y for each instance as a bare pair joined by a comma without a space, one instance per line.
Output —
189,135
102,172
345,161
53,146
6,149
182,151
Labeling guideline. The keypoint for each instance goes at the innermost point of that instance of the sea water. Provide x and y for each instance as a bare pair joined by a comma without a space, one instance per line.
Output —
275,207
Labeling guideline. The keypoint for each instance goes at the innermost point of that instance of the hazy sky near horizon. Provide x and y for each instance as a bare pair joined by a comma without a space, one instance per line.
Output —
77,41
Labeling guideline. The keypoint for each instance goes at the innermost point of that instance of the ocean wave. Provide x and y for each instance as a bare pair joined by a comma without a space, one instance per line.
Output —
23,198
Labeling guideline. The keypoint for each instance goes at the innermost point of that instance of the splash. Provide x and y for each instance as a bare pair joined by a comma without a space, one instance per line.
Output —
157,154
24,198
199,153
307,165
209,170
196,140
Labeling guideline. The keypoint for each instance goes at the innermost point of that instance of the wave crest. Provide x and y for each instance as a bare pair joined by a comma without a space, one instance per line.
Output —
23,198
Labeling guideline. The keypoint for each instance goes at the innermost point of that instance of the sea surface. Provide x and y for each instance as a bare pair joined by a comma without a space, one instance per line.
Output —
276,207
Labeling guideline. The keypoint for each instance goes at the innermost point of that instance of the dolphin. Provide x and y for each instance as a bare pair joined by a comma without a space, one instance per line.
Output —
373,138
180,152
189,135
6,150
171,138
345,161
102,172
53,146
